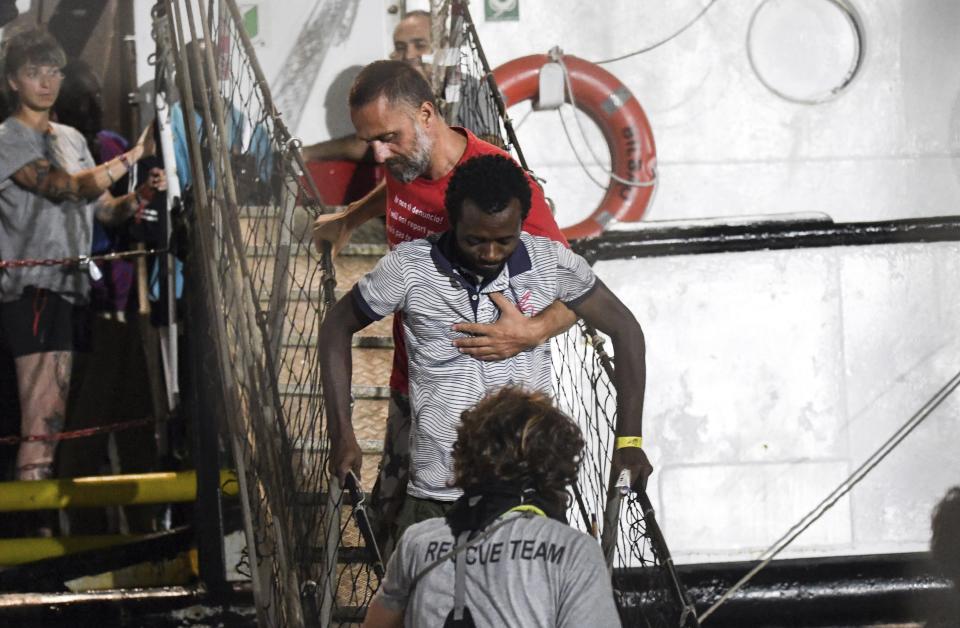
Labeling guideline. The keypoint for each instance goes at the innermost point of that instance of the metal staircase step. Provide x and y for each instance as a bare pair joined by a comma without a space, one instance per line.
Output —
367,445
359,392
360,249
371,392
358,342
373,342
316,499
259,211
364,249
352,555
349,614
297,249
312,295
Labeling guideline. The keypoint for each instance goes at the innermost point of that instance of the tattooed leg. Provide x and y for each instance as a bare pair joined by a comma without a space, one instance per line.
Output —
43,382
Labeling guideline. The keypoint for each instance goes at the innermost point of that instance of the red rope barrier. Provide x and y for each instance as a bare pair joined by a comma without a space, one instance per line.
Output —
81,433
83,260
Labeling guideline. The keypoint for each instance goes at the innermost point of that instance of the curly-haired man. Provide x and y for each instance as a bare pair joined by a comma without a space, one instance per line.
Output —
502,556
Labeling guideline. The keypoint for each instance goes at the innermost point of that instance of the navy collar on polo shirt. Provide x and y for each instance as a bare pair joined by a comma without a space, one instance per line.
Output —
444,255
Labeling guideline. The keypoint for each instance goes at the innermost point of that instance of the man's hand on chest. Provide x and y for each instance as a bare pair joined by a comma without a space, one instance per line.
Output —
512,333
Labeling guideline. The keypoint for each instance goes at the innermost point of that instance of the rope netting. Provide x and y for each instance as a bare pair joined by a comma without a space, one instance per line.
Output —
648,592
263,292
459,79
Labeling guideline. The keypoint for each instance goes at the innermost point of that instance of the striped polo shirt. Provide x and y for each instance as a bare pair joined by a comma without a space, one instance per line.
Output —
419,279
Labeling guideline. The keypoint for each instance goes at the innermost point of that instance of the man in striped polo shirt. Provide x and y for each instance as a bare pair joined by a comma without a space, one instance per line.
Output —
395,112
450,278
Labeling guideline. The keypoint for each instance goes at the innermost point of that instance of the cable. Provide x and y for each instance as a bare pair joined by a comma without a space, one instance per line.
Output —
516,127
576,153
80,261
662,41
845,487
557,56
81,433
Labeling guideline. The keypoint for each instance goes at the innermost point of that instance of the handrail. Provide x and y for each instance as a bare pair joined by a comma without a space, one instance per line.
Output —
109,490
679,238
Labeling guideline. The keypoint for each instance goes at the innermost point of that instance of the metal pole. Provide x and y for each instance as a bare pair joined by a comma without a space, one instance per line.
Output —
170,341
163,79
280,285
688,614
328,285
611,521
252,324
494,90
328,580
439,10
108,490
256,576
289,143
210,536
611,528
254,320
452,71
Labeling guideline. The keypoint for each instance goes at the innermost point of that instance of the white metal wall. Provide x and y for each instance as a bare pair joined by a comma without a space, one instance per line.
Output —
773,374
886,147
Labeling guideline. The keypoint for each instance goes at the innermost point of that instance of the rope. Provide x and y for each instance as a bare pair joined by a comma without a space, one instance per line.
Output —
557,56
662,41
845,487
81,261
82,433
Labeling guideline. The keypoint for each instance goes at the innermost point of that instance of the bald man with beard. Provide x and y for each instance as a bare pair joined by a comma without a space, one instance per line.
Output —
394,112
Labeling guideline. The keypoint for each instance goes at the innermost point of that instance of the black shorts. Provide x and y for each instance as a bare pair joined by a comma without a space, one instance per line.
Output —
41,321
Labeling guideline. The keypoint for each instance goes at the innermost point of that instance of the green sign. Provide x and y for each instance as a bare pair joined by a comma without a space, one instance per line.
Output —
251,21
502,10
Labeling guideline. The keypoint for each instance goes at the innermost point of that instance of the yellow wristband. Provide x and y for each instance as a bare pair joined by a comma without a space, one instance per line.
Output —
628,441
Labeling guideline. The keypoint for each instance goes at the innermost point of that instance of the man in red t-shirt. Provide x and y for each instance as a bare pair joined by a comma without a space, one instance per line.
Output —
394,111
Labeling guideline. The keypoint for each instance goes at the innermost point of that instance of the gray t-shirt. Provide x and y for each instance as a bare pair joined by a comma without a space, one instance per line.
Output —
532,572
34,227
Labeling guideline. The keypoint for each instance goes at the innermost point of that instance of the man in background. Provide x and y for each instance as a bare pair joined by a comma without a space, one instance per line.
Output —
411,44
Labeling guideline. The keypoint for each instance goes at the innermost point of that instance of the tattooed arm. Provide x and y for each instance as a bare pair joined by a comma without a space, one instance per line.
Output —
112,210
44,178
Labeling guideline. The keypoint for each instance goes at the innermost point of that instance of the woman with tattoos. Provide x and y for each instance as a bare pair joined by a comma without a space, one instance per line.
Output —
50,193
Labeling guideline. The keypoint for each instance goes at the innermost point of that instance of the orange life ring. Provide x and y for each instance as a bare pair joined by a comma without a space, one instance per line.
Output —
622,121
